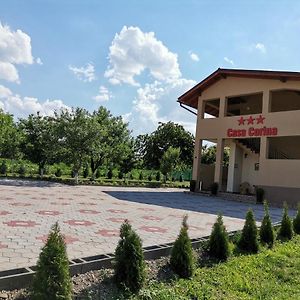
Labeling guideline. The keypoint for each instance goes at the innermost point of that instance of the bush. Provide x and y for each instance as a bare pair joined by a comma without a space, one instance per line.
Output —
181,178
266,232
130,271
58,172
248,241
158,176
141,176
52,278
73,173
3,168
120,175
86,171
182,259
286,228
214,188
260,194
218,242
193,185
110,174
296,221
98,173
150,177
22,170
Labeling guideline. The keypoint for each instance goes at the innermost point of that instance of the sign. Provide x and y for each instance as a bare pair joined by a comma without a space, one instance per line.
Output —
254,130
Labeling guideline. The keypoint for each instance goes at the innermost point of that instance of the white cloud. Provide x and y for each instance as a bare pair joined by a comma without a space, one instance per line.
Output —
15,48
193,56
103,95
132,51
127,117
156,102
85,73
261,47
23,106
229,61
39,61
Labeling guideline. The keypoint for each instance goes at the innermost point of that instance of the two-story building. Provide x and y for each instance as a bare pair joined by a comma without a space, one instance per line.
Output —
257,115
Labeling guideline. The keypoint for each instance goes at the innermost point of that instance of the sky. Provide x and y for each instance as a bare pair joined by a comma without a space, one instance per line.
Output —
135,57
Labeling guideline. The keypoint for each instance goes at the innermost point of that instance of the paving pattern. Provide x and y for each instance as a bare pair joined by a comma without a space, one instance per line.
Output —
90,217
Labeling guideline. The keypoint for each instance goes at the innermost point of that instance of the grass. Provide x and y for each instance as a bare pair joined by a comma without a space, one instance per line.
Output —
271,274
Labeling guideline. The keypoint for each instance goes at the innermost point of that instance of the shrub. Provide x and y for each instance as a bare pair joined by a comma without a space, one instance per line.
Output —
181,178
73,173
3,168
214,188
286,228
248,241
260,194
120,175
158,176
22,170
58,172
150,177
193,185
86,171
182,259
141,176
110,174
130,271
98,173
52,278
218,242
266,232
296,221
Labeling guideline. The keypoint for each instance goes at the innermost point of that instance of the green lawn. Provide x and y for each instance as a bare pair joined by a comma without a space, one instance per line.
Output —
271,274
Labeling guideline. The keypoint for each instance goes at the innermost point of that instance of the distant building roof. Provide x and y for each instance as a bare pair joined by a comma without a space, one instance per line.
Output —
190,97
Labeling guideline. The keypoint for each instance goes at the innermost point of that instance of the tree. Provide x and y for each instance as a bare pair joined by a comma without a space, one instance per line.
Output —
39,142
9,136
248,241
266,229
208,155
153,146
77,132
218,241
296,221
129,260
169,160
52,279
286,228
182,259
112,143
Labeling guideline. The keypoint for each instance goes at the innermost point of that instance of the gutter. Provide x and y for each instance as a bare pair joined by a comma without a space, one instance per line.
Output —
186,108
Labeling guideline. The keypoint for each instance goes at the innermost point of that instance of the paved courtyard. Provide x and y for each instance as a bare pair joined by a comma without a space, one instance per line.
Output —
90,217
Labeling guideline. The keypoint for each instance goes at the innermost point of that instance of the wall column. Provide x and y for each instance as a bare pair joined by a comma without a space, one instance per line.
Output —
265,102
222,109
219,162
231,167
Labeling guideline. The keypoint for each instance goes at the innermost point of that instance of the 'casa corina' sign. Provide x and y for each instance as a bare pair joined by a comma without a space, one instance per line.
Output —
254,130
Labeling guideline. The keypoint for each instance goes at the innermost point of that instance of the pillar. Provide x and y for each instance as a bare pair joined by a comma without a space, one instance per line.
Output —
219,162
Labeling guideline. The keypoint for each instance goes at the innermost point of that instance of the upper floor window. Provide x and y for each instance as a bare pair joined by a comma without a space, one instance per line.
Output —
211,108
284,100
244,105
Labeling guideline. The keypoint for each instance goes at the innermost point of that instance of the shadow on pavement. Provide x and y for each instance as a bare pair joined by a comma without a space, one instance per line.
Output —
25,182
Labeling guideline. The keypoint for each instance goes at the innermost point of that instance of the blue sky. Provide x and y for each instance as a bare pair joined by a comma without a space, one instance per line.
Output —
135,57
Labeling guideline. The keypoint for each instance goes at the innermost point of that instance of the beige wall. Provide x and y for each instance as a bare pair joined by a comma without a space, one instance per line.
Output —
281,173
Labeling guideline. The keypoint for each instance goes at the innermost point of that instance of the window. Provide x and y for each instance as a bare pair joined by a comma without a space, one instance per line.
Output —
211,108
244,105
285,147
284,100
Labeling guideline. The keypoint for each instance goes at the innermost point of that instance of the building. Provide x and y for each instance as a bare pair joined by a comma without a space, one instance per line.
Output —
257,115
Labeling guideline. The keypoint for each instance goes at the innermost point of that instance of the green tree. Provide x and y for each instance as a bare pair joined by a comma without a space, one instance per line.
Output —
296,221
208,155
286,227
218,242
169,160
52,279
9,136
182,259
248,241
39,142
130,272
77,133
266,229
152,147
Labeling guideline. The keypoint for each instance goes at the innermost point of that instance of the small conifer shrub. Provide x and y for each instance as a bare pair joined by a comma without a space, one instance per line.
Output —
58,172
3,168
182,259
218,242
181,178
121,175
98,173
110,174
141,176
266,232
86,171
296,221
22,170
260,194
214,188
286,228
248,241
158,176
130,271
150,177
52,279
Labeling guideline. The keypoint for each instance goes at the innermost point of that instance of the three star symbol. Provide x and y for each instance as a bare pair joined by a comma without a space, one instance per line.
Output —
250,120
